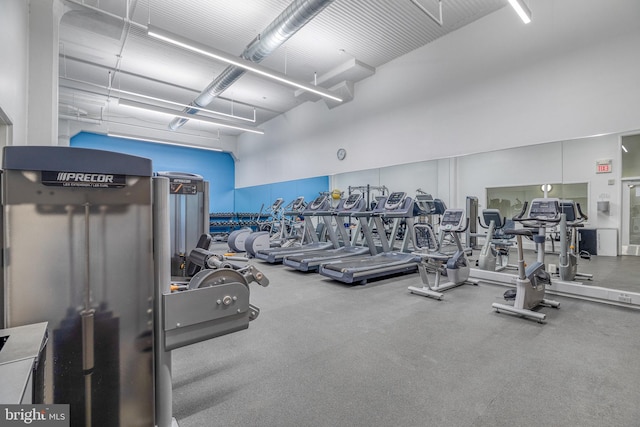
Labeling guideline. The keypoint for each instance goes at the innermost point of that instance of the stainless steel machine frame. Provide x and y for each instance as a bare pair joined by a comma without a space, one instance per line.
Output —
188,215
77,239
86,248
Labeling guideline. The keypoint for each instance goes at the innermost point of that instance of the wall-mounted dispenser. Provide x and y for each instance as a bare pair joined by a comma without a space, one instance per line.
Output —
603,207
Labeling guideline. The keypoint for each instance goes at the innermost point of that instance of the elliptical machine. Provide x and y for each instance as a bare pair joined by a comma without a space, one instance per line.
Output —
453,223
532,280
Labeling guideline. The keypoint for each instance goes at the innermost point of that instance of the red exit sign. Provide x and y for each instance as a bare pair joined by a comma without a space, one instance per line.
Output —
603,166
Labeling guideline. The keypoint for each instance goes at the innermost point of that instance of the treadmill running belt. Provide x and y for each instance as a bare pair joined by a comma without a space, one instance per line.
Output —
360,270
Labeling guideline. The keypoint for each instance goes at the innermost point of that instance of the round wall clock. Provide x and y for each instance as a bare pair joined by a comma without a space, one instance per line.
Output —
342,153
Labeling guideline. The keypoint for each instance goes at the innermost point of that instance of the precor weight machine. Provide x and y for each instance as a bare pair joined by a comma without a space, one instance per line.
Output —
189,215
87,248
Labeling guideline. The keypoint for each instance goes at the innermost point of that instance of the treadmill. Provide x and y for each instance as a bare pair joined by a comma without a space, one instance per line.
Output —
389,262
320,207
311,261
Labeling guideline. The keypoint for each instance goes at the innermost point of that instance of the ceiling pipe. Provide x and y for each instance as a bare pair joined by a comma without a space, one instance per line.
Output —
294,17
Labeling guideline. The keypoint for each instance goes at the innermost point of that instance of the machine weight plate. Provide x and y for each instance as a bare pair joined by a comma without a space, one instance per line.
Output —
206,278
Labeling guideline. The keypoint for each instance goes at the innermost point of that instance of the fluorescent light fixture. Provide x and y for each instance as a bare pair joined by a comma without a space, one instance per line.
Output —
158,141
250,66
173,113
179,104
153,98
522,10
80,119
624,149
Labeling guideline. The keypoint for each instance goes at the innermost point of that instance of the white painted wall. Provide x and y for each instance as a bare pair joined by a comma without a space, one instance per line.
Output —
14,68
493,84
29,69
42,94
532,165
407,178
454,179
579,159
560,162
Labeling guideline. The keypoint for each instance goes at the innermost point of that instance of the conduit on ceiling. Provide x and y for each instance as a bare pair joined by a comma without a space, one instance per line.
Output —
293,18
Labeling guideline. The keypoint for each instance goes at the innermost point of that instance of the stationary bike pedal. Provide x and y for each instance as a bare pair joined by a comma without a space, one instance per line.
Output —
585,255
510,294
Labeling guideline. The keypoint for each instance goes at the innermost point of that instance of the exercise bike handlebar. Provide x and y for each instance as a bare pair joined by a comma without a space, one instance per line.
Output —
466,225
542,220
583,216
531,222
523,211
486,226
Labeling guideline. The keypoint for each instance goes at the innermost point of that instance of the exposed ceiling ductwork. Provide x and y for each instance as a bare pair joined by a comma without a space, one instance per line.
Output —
293,18
344,43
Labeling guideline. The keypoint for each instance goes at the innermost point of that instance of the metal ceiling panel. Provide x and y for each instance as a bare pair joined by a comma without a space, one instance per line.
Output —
109,35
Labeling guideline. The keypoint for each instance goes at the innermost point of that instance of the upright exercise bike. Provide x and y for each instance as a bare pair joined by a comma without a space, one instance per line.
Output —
532,280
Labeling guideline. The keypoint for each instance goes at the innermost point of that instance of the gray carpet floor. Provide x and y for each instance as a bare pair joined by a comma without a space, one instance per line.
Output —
323,353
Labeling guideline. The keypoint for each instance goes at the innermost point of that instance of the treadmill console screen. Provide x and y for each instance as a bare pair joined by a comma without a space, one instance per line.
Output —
452,220
297,204
352,200
544,209
395,200
318,202
276,205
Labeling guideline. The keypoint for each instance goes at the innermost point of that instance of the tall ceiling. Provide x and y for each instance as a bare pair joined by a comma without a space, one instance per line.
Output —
106,54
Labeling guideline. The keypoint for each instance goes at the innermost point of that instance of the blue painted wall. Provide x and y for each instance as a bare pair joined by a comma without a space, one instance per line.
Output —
251,199
217,168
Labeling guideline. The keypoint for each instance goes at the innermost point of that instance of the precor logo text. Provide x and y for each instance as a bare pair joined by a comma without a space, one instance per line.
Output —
84,177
